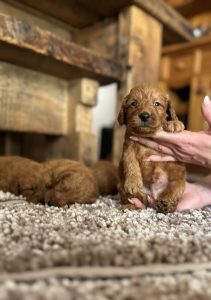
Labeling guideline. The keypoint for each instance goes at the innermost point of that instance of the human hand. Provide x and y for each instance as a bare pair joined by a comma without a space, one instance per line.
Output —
196,195
185,146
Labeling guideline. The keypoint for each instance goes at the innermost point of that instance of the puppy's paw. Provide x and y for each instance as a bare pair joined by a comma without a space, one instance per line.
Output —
161,207
165,207
173,126
132,186
128,206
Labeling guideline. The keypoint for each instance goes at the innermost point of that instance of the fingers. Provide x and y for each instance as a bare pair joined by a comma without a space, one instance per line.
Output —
140,205
161,158
166,137
153,145
206,110
137,203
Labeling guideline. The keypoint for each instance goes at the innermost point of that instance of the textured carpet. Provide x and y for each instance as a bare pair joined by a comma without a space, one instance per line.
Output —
100,252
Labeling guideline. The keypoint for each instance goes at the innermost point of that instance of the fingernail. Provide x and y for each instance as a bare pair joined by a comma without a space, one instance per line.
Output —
207,100
134,138
131,201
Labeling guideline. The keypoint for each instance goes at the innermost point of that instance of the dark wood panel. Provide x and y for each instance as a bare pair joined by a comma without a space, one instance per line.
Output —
176,28
190,8
82,13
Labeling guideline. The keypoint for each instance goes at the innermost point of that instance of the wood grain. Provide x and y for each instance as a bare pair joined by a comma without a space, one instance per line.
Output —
177,27
101,37
36,18
83,13
31,101
79,143
138,31
84,90
32,47
189,8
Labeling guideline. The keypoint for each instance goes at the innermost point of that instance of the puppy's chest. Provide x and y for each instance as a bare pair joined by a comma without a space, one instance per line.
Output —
155,177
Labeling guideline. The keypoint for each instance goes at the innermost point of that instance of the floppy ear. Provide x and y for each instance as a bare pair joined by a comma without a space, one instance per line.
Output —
170,112
122,113
61,177
121,116
60,174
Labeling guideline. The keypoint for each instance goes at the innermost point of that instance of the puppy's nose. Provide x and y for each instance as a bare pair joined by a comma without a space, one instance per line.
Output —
144,116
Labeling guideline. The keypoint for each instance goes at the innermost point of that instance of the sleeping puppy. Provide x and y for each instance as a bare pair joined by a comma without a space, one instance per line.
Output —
106,174
22,176
145,111
72,182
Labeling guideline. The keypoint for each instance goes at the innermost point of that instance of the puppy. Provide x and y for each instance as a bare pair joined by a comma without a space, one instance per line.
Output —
145,111
22,176
106,174
71,182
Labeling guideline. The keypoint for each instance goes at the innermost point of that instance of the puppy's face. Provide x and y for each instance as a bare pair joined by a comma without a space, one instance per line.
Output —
34,185
72,182
59,193
145,110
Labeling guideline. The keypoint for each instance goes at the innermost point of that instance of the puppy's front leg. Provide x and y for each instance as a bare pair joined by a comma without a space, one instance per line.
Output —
131,181
133,178
173,126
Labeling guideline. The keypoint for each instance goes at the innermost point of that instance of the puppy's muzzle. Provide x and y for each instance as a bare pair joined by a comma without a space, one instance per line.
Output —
144,116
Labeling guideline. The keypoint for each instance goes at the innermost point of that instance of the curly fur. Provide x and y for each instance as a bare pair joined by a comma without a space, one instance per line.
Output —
22,176
165,181
106,174
72,182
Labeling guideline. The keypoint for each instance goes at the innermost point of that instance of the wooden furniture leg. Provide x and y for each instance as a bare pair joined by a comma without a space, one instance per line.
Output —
79,143
139,47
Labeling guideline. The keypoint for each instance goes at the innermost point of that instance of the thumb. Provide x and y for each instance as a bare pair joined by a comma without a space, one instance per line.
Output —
206,110
160,158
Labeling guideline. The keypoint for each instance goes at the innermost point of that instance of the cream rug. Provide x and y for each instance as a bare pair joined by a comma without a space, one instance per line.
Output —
99,252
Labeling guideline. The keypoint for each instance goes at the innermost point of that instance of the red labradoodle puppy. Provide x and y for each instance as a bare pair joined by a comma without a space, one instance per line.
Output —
22,176
106,174
72,182
144,111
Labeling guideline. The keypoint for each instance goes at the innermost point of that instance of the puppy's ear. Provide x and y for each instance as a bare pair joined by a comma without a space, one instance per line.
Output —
59,174
170,111
122,114
60,177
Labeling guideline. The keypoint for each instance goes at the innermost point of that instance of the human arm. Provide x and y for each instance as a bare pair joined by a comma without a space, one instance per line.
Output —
185,146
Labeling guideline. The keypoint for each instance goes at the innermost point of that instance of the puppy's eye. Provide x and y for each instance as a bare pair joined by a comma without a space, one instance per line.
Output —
134,103
156,103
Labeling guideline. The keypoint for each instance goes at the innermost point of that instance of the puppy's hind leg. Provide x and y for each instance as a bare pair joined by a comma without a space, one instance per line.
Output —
168,200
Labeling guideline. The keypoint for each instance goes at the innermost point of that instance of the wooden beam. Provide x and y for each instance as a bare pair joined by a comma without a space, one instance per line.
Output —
181,61
36,18
184,47
100,37
200,87
31,101
34,48
79,143
176,28
138,31
85,13
138,34
190,8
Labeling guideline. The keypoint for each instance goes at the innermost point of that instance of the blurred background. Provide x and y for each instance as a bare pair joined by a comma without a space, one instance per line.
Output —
66,65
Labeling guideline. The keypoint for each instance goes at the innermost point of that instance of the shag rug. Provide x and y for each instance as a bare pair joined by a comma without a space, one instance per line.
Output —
100,252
